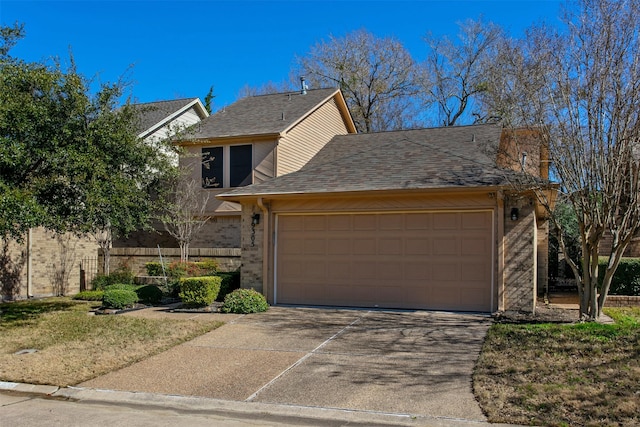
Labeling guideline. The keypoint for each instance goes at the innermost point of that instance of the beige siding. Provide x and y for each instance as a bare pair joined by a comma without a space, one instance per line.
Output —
263,161
303,141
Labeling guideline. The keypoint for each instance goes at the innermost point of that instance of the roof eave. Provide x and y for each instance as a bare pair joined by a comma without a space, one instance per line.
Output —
289,195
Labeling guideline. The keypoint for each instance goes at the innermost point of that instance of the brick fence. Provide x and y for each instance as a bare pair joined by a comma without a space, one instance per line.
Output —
622,301
228,259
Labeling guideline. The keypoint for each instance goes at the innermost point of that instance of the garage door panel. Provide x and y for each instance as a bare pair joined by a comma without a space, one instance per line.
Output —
338,246
418,221
425,260
364,246
446,271
390,246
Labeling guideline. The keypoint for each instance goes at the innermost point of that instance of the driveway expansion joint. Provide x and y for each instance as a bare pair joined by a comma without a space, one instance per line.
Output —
305,357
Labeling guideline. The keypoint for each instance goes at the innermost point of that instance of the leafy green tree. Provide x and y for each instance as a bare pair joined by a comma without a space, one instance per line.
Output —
208,100
70,161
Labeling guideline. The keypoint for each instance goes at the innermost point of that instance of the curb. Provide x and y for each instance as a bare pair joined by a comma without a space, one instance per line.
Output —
316,416
47,390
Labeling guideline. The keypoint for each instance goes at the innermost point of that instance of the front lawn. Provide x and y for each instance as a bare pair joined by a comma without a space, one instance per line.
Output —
74,346
562,375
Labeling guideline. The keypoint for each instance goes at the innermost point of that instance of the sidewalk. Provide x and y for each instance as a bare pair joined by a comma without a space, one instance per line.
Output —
294,366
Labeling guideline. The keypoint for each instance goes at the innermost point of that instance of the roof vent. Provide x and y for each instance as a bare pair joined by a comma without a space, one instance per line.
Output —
303,85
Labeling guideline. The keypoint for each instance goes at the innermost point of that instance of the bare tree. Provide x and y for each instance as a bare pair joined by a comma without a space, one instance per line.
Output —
583,85
266,89
184,216
376,76
455,71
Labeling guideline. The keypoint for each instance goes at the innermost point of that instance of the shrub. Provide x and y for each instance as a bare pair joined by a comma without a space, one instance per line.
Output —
244,301
230,282
154,269
149,294
626,279
122,286
199,291
207,267
89,295
121,275
119,298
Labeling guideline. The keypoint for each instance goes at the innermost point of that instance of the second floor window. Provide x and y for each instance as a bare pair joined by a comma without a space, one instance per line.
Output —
229,166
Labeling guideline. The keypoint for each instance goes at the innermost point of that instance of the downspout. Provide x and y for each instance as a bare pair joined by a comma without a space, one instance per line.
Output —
265,247
29,268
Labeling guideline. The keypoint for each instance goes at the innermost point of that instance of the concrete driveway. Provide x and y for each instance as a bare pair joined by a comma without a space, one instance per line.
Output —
417,363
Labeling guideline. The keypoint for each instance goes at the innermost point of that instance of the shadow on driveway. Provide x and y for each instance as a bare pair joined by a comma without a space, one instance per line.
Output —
410,362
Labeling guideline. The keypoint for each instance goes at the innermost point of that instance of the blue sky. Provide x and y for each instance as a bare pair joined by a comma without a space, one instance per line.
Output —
174,49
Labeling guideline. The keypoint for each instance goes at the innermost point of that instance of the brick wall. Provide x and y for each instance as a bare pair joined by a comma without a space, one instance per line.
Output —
519,260
54,263
228,259
251,270
218,232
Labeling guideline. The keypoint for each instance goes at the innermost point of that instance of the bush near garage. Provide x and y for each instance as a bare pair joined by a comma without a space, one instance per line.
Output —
199,291
244,301
626,279
119,298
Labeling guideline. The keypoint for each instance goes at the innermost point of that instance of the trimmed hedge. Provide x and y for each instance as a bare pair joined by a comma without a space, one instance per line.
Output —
626,279
119,298
89,295
244,301
199,291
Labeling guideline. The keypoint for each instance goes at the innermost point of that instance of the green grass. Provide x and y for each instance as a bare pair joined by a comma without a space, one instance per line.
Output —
73,346
550,374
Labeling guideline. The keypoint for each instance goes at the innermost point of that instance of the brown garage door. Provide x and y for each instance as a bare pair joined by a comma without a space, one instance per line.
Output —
427,260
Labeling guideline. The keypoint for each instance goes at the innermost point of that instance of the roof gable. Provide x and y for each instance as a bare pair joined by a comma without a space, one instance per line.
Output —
447,157
154,115
266,114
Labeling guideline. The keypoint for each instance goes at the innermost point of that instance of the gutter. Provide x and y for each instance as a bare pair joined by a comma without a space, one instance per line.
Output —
265,245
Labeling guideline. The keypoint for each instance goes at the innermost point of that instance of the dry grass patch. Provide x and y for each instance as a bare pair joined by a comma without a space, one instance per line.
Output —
73,346
562,375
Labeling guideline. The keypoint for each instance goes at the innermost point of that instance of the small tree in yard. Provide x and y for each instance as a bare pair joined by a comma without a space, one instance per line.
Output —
583,86
184,215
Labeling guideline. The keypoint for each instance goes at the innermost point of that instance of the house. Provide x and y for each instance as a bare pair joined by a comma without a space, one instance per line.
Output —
413,219
254,140
162,119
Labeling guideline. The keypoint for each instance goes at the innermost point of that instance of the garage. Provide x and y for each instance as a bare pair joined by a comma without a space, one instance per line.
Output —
438,260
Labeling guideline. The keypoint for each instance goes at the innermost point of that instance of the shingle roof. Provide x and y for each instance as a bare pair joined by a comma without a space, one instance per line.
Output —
261,115
152,113
448,157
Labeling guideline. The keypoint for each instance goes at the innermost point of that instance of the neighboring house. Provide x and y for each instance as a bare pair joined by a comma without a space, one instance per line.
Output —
414,219
254,140
160,120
